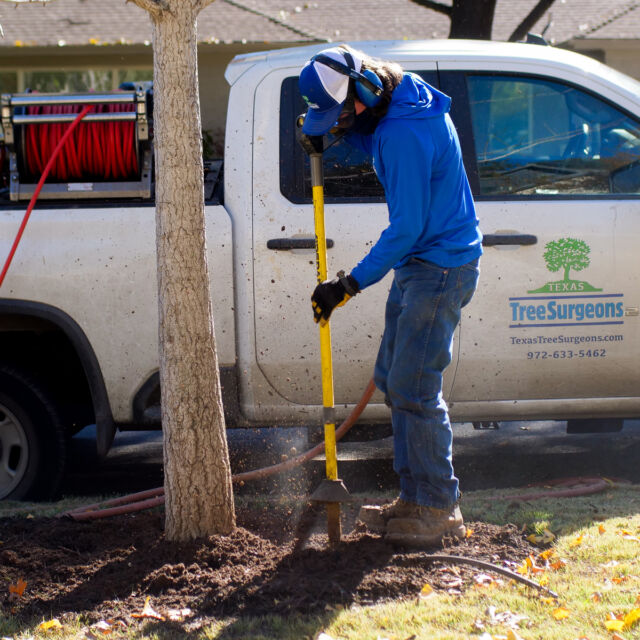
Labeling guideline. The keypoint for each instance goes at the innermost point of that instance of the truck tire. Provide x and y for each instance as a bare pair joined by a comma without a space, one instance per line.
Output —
32,439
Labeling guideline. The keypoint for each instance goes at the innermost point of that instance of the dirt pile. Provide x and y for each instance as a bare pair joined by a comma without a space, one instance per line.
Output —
272,563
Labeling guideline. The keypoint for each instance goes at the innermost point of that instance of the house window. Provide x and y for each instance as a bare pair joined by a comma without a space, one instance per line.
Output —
8,82
68,81
134,75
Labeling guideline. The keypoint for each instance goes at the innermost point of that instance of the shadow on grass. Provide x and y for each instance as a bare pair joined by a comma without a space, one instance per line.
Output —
259,587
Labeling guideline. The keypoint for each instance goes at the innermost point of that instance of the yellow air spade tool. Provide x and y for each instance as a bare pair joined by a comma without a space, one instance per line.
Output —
332,490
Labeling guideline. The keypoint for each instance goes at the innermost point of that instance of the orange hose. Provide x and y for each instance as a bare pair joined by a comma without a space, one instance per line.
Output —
155,497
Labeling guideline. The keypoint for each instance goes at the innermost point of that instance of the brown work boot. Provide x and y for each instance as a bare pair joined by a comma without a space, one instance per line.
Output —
375,517
426,528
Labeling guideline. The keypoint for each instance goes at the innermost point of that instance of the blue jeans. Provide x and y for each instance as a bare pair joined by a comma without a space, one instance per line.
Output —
423,310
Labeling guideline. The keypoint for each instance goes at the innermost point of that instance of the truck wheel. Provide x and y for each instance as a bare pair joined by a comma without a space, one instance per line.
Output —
32,440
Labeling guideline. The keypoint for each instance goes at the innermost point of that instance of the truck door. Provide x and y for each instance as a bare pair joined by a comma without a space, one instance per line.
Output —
287,343
555,172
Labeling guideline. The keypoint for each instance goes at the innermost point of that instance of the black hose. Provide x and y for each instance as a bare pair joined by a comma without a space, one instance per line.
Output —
487,566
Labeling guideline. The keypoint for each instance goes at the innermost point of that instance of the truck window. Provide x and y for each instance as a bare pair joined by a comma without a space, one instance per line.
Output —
348,172
539,137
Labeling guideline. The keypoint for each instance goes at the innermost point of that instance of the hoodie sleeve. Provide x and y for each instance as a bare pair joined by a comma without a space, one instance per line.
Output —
405,172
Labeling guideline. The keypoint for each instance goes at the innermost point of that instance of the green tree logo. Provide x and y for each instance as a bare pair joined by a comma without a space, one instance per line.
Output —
566,254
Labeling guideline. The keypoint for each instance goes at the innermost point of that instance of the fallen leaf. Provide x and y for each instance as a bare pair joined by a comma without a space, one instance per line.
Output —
631,618
469,533
546,537
103,626
558,564
16,590
601,529
617,636
544,581
596,596
50,624
629,536
561,613
532,566
176,615
148,611
426,591
577,541
548,600
512,635
619,579
454,583
614,625
545,555
483,578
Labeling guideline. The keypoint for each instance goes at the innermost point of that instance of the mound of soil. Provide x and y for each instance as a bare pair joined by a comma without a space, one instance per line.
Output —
272,563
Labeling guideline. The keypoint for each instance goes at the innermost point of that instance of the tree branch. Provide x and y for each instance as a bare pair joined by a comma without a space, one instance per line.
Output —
436,6
201,4
154,7
534,15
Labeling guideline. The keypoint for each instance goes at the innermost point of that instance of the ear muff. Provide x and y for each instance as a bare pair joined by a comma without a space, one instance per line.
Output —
368,86
367,96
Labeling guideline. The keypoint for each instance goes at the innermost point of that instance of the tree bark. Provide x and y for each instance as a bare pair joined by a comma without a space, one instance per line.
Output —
198,486
534,15
472,19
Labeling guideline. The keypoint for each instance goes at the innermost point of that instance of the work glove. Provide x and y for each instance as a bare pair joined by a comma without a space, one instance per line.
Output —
331,294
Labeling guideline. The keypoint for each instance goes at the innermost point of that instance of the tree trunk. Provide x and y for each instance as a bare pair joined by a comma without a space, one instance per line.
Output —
472,19
534,15
198,487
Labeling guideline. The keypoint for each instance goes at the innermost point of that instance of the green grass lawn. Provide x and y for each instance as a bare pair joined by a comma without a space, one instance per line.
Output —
592,564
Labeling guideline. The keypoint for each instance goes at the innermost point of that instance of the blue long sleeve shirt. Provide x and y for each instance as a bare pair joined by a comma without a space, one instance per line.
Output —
417,158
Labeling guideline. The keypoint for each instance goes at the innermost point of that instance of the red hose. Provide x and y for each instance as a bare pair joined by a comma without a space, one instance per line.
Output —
570,488
103,150
61,142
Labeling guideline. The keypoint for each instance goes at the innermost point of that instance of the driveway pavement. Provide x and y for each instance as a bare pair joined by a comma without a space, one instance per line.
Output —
515,454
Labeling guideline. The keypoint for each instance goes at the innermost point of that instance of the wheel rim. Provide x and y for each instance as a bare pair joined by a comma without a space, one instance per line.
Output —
14,452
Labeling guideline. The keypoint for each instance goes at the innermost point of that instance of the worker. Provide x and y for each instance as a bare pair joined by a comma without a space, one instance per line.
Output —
432,243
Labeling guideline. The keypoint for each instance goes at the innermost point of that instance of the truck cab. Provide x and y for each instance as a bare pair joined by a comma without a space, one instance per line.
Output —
551,144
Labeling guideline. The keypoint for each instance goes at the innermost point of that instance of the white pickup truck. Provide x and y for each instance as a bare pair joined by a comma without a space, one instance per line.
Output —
551,142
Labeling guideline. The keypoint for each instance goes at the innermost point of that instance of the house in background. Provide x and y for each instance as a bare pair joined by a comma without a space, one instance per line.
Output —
78,45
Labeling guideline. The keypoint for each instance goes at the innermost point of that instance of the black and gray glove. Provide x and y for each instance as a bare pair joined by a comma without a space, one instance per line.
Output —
331,294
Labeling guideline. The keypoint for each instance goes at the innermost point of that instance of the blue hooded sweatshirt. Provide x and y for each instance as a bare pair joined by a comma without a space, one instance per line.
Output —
417,158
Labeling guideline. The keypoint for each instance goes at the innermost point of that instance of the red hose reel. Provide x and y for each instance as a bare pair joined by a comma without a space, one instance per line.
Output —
107,156
96,150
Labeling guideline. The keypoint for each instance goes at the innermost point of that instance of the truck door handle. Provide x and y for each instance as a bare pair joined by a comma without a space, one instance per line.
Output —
491,240
285,244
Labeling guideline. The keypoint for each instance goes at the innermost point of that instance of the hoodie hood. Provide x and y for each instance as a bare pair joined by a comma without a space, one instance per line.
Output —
414,98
